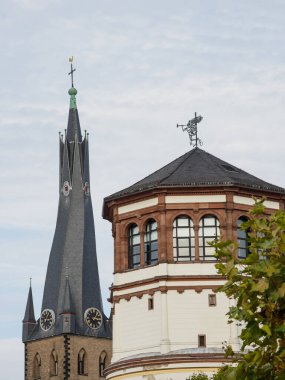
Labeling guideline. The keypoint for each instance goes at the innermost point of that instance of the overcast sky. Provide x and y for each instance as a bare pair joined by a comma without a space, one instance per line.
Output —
141,67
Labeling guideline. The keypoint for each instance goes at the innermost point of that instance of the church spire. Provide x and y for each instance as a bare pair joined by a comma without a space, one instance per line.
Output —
68,301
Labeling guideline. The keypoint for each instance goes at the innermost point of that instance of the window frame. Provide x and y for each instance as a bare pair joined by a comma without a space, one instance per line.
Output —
244,238
151,243
178,230
132,246
206,238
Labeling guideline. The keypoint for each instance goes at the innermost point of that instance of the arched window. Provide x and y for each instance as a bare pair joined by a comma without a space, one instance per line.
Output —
183,239
37,367
209,230
242,238
53,365
134,247
102,363
82,362
150,243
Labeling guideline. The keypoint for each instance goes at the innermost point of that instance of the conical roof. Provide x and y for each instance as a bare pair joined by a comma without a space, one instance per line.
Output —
197,168
29,313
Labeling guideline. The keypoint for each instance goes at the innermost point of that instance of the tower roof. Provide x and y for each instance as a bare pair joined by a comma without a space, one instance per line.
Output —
73,251
197,168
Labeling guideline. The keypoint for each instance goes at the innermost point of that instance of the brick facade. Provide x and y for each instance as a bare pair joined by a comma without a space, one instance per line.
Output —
67,357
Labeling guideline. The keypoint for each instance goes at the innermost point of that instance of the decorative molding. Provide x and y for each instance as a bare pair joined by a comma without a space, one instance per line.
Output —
134,284
164,290
163,360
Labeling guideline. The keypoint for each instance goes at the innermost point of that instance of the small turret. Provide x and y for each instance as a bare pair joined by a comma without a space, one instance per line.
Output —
29,321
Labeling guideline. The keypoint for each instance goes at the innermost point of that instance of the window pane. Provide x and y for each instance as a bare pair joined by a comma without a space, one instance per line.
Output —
210,231
154,246
154,255
209,221
183,252
183,232
136,249
183,242
210,250
135,230
136,239
154,235
182,221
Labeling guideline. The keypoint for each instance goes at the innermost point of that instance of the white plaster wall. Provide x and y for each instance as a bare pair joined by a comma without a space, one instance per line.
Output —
175,269
190,315
136,329
194,198
250,202
138,205
177,318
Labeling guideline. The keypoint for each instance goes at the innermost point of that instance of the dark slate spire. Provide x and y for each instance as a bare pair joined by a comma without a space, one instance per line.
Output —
29,320
74,245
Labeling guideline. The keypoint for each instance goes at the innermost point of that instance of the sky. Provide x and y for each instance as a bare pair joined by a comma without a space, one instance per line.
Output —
142,66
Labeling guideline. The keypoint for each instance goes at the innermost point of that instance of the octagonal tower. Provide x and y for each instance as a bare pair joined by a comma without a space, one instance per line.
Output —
168,319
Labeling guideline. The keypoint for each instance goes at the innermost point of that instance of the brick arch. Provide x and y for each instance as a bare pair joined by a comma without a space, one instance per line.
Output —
146,221
178,213
241,214
216,214
126,228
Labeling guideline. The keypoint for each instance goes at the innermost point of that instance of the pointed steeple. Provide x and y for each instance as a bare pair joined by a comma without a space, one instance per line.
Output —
67,300
29,321
29,313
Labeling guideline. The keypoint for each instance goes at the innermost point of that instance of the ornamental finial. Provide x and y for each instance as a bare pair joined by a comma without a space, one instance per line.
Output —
191,128
72,70
72,91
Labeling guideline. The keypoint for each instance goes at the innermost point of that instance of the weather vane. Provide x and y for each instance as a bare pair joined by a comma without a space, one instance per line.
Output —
191,128
72,70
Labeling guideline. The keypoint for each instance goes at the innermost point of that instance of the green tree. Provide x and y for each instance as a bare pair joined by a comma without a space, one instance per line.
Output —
257,284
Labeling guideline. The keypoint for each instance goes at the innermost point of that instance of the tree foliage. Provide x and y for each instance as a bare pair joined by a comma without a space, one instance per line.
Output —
257,284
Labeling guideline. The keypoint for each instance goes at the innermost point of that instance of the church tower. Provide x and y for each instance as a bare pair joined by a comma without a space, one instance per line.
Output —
72,337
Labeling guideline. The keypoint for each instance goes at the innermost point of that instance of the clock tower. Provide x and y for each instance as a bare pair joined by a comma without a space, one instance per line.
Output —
72,337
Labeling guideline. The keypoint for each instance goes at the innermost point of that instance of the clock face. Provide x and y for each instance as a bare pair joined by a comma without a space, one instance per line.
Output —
47,319
93,318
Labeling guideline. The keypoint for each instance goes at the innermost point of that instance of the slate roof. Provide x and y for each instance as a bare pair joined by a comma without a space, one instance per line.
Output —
197,168
72,281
